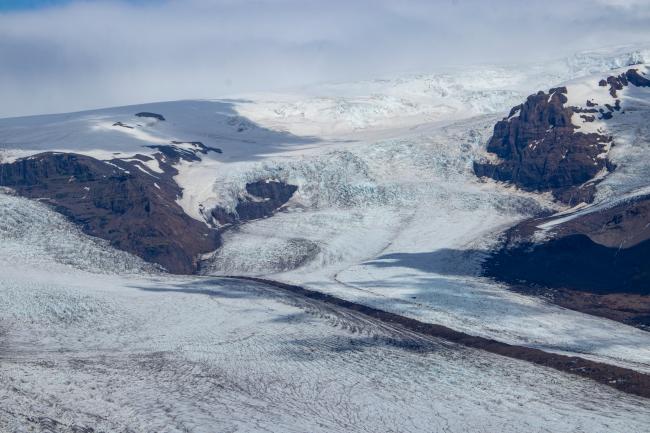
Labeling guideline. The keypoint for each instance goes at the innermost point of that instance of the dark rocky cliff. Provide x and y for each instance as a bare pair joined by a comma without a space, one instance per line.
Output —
539,149
133,208
262,198
115,200
605,251
595,261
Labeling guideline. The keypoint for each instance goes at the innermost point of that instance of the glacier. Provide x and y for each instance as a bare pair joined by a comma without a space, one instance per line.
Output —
388,213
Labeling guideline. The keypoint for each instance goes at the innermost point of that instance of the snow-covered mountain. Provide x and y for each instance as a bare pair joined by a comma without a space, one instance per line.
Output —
439,197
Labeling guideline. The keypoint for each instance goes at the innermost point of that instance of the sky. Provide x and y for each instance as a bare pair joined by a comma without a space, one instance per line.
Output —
67,55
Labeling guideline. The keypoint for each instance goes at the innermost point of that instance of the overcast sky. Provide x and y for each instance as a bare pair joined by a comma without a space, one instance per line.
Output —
58,55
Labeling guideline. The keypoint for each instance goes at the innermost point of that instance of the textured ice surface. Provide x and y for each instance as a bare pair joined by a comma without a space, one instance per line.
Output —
145,354
333,108
30,232
388,213
406,230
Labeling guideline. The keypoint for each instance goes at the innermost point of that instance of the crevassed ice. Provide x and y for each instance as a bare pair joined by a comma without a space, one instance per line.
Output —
30,232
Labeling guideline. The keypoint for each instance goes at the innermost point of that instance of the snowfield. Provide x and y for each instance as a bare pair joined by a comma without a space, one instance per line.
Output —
388,213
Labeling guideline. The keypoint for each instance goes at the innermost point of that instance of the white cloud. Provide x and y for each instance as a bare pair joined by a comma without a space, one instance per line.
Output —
103,53
625,4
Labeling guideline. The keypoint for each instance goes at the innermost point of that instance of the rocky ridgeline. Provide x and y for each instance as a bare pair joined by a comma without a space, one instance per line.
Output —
539,148
601,252
261,199
595,261
616,83
134,207
117,201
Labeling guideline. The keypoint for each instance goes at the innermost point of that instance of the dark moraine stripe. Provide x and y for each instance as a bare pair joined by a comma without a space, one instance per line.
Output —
623,379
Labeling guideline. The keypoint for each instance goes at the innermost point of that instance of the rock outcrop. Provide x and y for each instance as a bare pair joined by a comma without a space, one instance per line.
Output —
115,200
151,115
261,199
621,81
596,262
544,145
594,259
134,208
604,251
539,149
184,150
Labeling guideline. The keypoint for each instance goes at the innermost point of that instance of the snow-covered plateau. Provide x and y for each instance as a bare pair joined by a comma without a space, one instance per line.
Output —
387,213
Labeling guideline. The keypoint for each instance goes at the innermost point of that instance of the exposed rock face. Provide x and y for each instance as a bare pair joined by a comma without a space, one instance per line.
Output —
575,262
184,150
152,115
262,198
123,125
540,149
603,251
137,212
595,260
621,81
200,147
134,208
543,145
592,262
